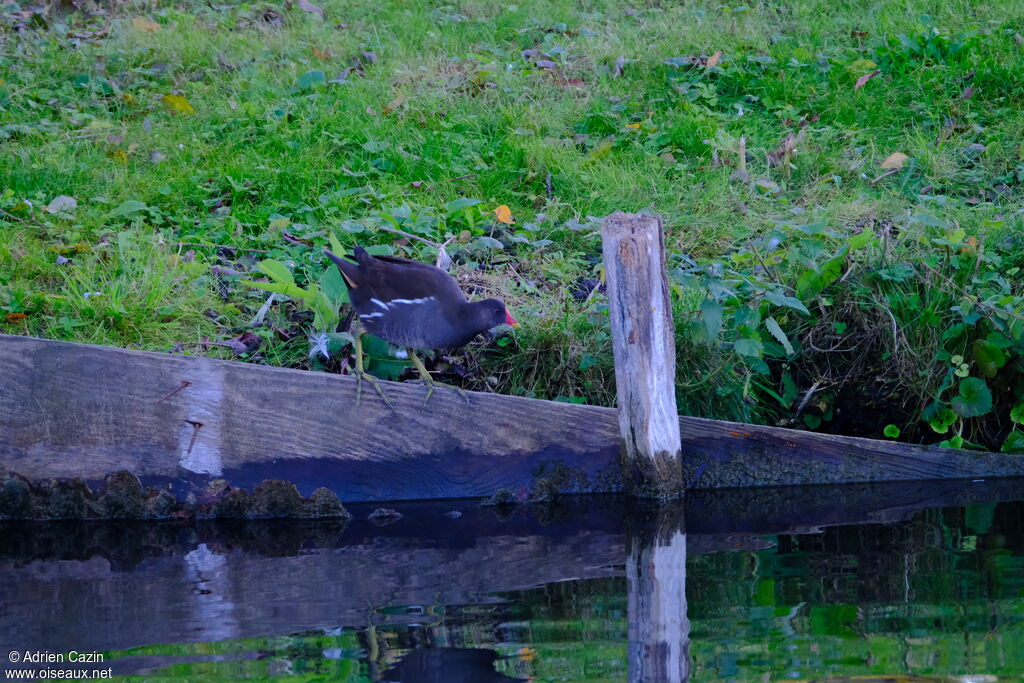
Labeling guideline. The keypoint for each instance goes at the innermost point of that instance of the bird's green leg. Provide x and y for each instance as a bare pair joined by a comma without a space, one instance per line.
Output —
361,373
430,381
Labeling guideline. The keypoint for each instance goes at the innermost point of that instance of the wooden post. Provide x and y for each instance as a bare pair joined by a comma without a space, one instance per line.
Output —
643,341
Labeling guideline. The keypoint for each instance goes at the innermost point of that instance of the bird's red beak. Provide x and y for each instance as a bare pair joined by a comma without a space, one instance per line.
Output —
510,320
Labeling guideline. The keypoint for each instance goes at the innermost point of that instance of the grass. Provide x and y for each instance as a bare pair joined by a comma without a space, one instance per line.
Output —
291,127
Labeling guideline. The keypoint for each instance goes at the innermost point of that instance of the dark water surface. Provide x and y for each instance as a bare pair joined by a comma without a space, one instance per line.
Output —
923,581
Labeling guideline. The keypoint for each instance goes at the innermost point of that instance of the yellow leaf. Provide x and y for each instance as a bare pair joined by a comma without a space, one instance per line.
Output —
144,24
280,223
129,99
894,160
714,59
118,155
504,215
178,104
633,125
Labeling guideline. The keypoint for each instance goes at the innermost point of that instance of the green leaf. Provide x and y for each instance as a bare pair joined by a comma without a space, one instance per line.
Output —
989,357
808,285
812,421
458,205
891,431
288,289
749,347
325,313
866,237
711,313
129,208
776,331
939,417
311,78
277,271
974,400
1017,413
779,299
1014,443
335,245
333,286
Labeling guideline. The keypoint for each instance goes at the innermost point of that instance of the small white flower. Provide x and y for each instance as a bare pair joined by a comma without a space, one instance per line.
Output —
318,344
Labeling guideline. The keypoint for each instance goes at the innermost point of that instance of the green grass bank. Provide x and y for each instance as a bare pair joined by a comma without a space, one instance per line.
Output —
842,186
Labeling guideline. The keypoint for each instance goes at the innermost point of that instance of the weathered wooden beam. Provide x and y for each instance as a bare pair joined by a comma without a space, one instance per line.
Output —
643,341
72,410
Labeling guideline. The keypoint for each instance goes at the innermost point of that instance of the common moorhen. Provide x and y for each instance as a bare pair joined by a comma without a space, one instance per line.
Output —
415,305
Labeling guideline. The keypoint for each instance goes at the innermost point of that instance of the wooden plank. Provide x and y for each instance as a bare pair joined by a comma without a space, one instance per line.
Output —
73,410
643,342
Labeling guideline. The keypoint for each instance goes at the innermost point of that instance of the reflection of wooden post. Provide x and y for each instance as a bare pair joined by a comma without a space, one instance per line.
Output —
643,340
659,630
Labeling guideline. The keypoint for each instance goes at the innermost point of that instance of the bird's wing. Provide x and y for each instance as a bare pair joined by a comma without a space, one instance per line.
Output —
406,279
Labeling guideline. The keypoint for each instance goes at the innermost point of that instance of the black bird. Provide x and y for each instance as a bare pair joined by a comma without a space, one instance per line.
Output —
415,305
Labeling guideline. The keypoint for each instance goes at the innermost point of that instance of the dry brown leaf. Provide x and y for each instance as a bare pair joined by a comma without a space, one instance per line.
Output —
13,318
895,160
504,215
323,54
144,24
865,78
714,59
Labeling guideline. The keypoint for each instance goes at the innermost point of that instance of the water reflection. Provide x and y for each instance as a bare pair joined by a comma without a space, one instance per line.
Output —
920,579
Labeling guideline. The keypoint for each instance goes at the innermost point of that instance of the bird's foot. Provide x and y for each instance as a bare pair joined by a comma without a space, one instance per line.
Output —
361,376
433,384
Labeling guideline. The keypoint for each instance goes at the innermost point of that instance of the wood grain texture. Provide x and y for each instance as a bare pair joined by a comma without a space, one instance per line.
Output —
73,410
643,341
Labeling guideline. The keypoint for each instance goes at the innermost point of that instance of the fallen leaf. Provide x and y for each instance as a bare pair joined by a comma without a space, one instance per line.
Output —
280,223
144,24
504,215
178,104
157,157
865,78
118,155
128,99
714,59
243,343
61,203
967,93
634,126
13,318
323,54
394,104
307,6
895,160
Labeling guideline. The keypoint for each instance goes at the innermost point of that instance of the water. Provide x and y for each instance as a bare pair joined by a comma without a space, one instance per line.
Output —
923,581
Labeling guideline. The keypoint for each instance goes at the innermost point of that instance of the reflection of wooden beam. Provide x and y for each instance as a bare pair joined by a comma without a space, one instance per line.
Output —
70,410
643,341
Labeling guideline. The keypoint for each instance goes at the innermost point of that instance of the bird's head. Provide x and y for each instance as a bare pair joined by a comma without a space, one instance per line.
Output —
492,313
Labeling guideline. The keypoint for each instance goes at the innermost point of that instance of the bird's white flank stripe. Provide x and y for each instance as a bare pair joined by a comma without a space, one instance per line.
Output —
364,316
380,303
411,301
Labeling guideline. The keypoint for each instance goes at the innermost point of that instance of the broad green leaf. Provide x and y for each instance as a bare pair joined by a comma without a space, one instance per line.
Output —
458,205
749,347
311,78
809,285
325,313
989,357
128,208
711,313
332,284
289,289
779,299
1017,413
939,417
335,245
1014,443
863,239
277,271
974,399
776,331
891,431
